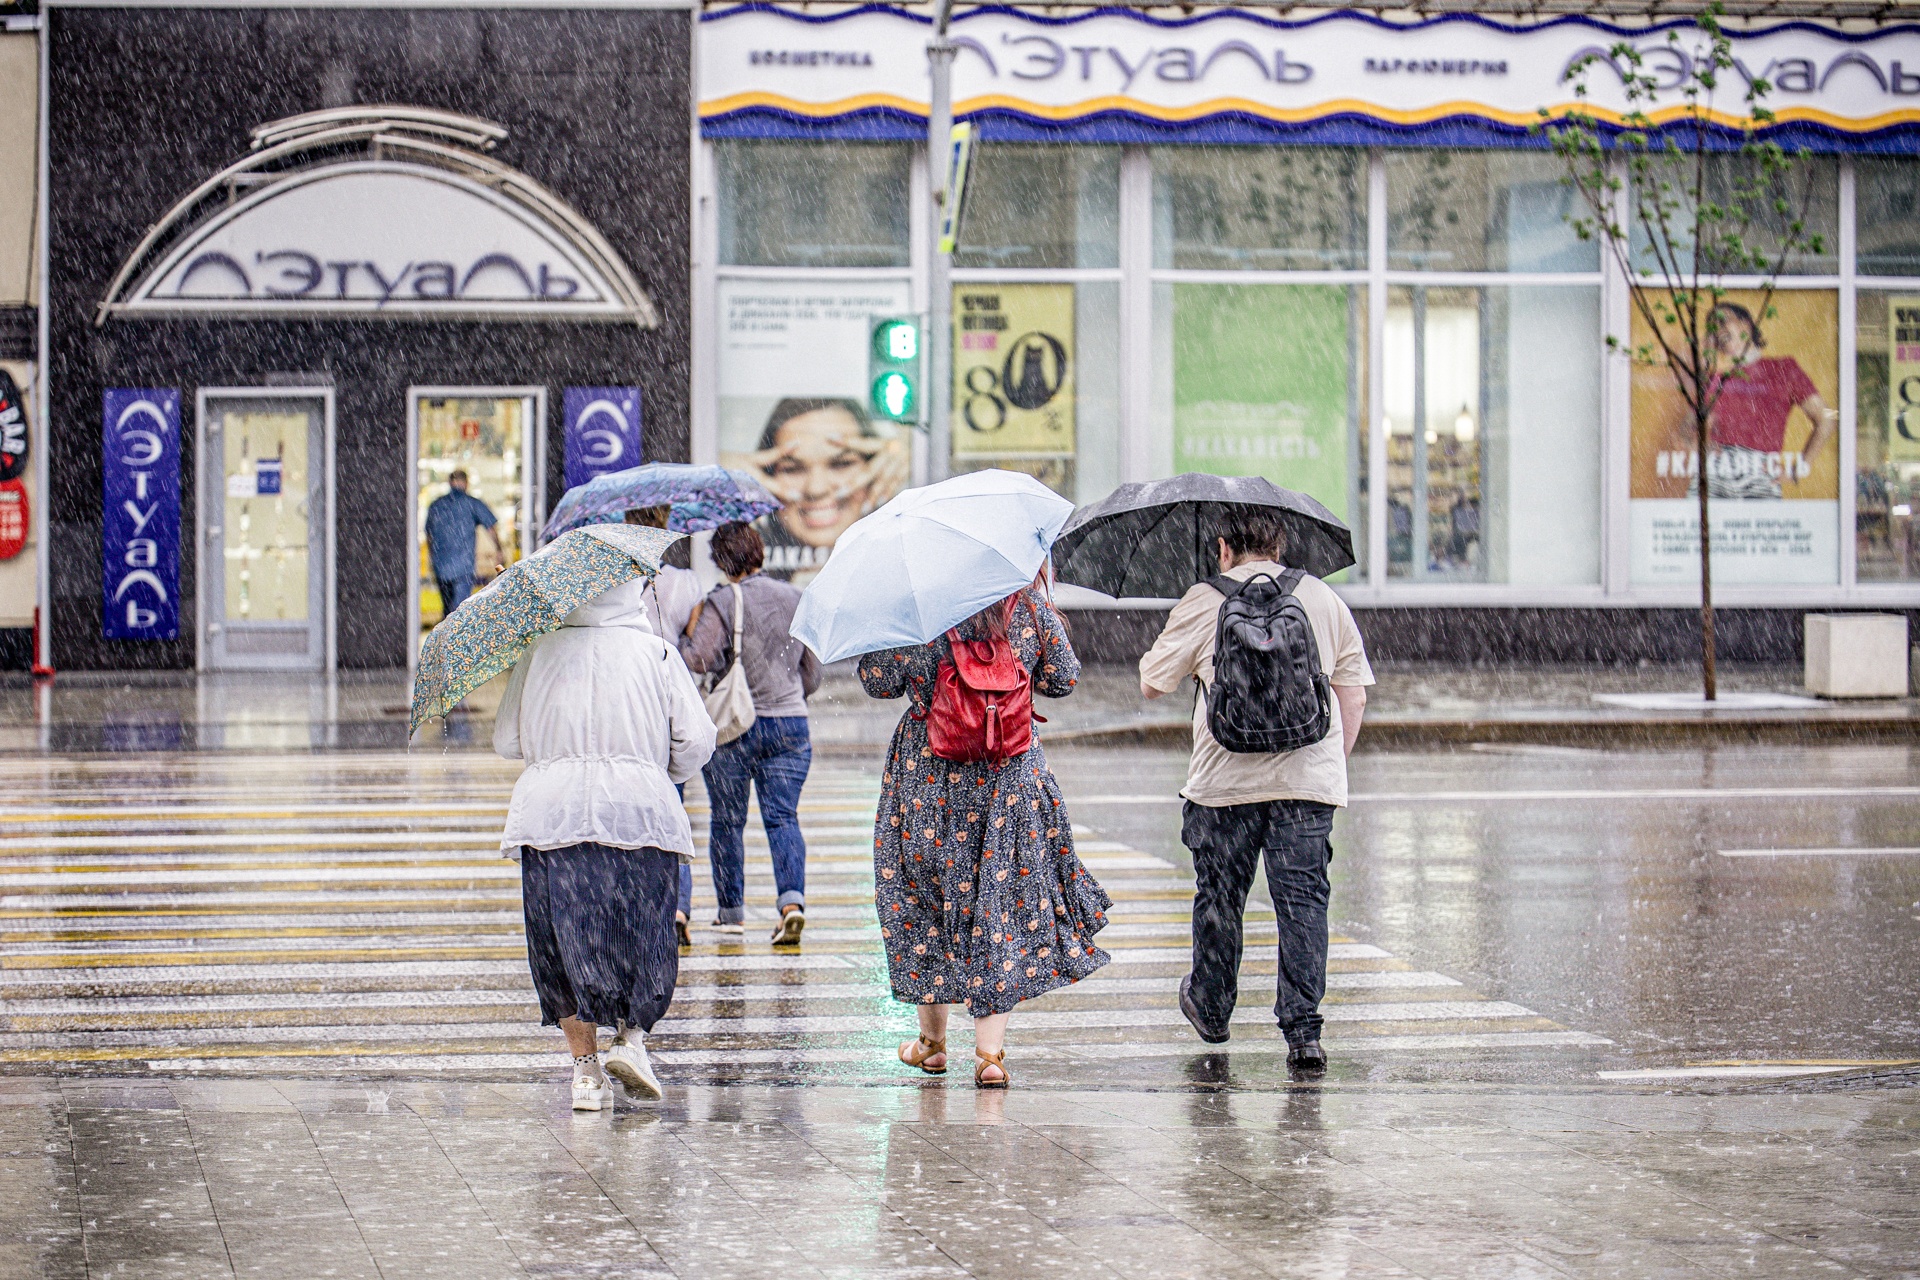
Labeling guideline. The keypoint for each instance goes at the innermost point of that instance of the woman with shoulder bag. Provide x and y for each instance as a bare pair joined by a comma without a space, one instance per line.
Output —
759,704
982,900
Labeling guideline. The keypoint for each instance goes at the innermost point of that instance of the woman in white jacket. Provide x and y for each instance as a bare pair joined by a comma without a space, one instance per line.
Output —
608,720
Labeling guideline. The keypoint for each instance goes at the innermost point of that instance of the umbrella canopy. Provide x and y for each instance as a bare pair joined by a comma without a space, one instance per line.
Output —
488,633
701,497
1157,539
928,560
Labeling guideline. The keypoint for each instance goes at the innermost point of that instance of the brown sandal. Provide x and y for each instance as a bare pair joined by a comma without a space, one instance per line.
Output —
991,1060
916,1052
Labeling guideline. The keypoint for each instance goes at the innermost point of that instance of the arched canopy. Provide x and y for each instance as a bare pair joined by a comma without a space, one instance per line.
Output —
375,211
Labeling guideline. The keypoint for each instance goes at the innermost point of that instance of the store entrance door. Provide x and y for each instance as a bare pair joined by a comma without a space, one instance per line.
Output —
494,435
266,575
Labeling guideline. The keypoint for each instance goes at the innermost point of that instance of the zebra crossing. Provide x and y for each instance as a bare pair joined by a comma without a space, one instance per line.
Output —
350,914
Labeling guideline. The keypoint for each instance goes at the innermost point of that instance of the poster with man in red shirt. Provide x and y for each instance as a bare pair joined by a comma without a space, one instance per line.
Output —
1772,466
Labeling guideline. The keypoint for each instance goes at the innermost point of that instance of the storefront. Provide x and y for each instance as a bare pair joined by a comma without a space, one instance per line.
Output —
1324,250
308,265
19,330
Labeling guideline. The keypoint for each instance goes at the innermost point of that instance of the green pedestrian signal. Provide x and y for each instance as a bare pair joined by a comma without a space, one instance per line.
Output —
893,368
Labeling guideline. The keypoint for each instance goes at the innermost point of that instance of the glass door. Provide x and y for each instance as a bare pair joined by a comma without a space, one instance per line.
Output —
263,517
477,455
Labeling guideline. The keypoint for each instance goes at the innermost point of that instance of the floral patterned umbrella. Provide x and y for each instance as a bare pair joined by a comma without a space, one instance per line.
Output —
488,633
701,497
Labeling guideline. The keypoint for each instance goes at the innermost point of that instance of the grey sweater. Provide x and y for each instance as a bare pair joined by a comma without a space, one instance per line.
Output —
781,672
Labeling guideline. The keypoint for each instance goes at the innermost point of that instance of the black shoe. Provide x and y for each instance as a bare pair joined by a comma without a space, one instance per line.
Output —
1307,1059
1191,1012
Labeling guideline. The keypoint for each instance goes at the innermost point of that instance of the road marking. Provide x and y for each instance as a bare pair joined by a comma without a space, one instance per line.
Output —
1893,851
1529,797
1718,1073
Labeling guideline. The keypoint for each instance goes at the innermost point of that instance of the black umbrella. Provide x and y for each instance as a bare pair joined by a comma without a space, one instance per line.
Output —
1157,539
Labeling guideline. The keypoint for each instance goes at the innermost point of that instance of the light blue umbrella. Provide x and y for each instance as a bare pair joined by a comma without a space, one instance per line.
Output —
928,560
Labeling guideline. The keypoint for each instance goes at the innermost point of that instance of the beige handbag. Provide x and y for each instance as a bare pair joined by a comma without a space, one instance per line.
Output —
730,701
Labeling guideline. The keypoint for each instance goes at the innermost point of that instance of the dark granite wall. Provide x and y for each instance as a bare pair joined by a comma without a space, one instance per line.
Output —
1501,637
148,102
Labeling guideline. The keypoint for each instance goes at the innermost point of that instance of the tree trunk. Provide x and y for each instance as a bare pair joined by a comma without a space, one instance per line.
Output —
1710,683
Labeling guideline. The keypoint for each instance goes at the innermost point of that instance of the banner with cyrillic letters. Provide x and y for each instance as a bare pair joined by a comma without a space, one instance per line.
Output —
602,431
140,513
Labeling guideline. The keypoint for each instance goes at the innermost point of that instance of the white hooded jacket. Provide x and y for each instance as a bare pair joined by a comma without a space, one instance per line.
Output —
607,718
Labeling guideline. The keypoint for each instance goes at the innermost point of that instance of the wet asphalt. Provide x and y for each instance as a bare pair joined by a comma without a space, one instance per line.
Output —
1596,888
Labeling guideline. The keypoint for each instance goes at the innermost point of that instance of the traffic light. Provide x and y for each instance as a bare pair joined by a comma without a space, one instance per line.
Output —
893,368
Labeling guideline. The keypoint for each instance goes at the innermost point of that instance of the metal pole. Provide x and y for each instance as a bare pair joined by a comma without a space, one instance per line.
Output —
939,398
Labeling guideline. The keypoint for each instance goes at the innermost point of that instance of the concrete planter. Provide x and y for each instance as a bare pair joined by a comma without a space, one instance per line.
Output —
1857,655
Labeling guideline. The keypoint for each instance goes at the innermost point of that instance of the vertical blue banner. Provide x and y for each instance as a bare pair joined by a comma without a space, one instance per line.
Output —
140,513
603,431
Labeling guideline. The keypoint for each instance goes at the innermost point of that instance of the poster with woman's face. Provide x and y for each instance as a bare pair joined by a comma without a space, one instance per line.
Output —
1772,464
793,374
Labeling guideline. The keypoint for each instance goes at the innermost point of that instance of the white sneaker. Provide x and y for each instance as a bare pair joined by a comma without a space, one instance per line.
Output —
590,1092
727,926
626,1061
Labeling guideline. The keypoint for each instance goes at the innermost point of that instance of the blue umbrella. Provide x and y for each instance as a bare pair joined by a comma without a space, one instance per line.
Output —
701,498
928,560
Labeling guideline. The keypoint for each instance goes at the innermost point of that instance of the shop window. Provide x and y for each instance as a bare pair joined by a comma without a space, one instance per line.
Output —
1887,432
1492,411
812,204
1773,457
1482,211
1042,206
1887,213
1260,208
1036,383
1267,380
1810,190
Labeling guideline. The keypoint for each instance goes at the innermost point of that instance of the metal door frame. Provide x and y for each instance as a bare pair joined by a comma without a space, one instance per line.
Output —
533,483
330,592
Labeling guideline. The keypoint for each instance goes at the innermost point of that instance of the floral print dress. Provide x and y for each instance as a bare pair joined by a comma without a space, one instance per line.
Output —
982,900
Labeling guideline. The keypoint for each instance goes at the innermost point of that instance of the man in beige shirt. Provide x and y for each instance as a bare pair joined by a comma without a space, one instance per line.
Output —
1243,808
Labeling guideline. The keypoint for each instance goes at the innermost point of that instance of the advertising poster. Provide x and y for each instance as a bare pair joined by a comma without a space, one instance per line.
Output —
1773,469
1261,385
1013,371
602,431
793,395
140,509
1903,379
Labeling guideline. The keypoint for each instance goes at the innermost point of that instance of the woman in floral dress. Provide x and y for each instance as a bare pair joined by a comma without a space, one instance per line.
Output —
982,901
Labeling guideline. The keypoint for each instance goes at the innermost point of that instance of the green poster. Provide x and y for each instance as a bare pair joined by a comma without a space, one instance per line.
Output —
1260,378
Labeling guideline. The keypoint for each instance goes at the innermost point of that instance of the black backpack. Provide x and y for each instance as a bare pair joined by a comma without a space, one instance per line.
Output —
1268,694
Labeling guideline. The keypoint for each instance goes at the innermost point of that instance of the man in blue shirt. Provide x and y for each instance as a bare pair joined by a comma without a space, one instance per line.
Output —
451,519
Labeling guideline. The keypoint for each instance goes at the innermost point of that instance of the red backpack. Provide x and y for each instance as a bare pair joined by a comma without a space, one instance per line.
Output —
982,703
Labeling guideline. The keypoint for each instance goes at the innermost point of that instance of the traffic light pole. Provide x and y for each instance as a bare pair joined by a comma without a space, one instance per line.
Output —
939,398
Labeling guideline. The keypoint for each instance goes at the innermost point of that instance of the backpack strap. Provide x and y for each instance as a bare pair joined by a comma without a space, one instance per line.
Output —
1228,587
1289,579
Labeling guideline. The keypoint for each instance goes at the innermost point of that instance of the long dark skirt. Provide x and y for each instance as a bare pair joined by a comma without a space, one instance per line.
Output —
600,937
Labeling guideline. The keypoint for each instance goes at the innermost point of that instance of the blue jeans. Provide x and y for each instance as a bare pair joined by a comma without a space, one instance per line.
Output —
685,905
774,757
453,592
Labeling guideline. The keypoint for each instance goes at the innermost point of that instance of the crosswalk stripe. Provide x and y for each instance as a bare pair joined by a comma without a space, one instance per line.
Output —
364,922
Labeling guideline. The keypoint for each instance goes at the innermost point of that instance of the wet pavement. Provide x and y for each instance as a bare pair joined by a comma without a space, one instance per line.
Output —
1591,1013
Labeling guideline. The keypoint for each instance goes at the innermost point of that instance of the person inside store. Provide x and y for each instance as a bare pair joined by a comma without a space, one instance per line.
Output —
672,597
828,463
746,620
1243,808
453,519
606,716
982,900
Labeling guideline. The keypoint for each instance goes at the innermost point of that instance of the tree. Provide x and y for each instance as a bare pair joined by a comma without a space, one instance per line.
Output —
1684,196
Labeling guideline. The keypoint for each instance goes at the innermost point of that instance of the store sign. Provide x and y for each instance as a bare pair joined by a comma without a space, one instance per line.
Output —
140,513
1903,379
376,237
13,429
602,431
15,518
1013,369
1182,71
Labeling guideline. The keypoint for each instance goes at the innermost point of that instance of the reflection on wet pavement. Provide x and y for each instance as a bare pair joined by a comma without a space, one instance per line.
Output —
351,914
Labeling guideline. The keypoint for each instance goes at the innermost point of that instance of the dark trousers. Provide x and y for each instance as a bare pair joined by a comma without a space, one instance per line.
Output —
774,757
454,592
1228,843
